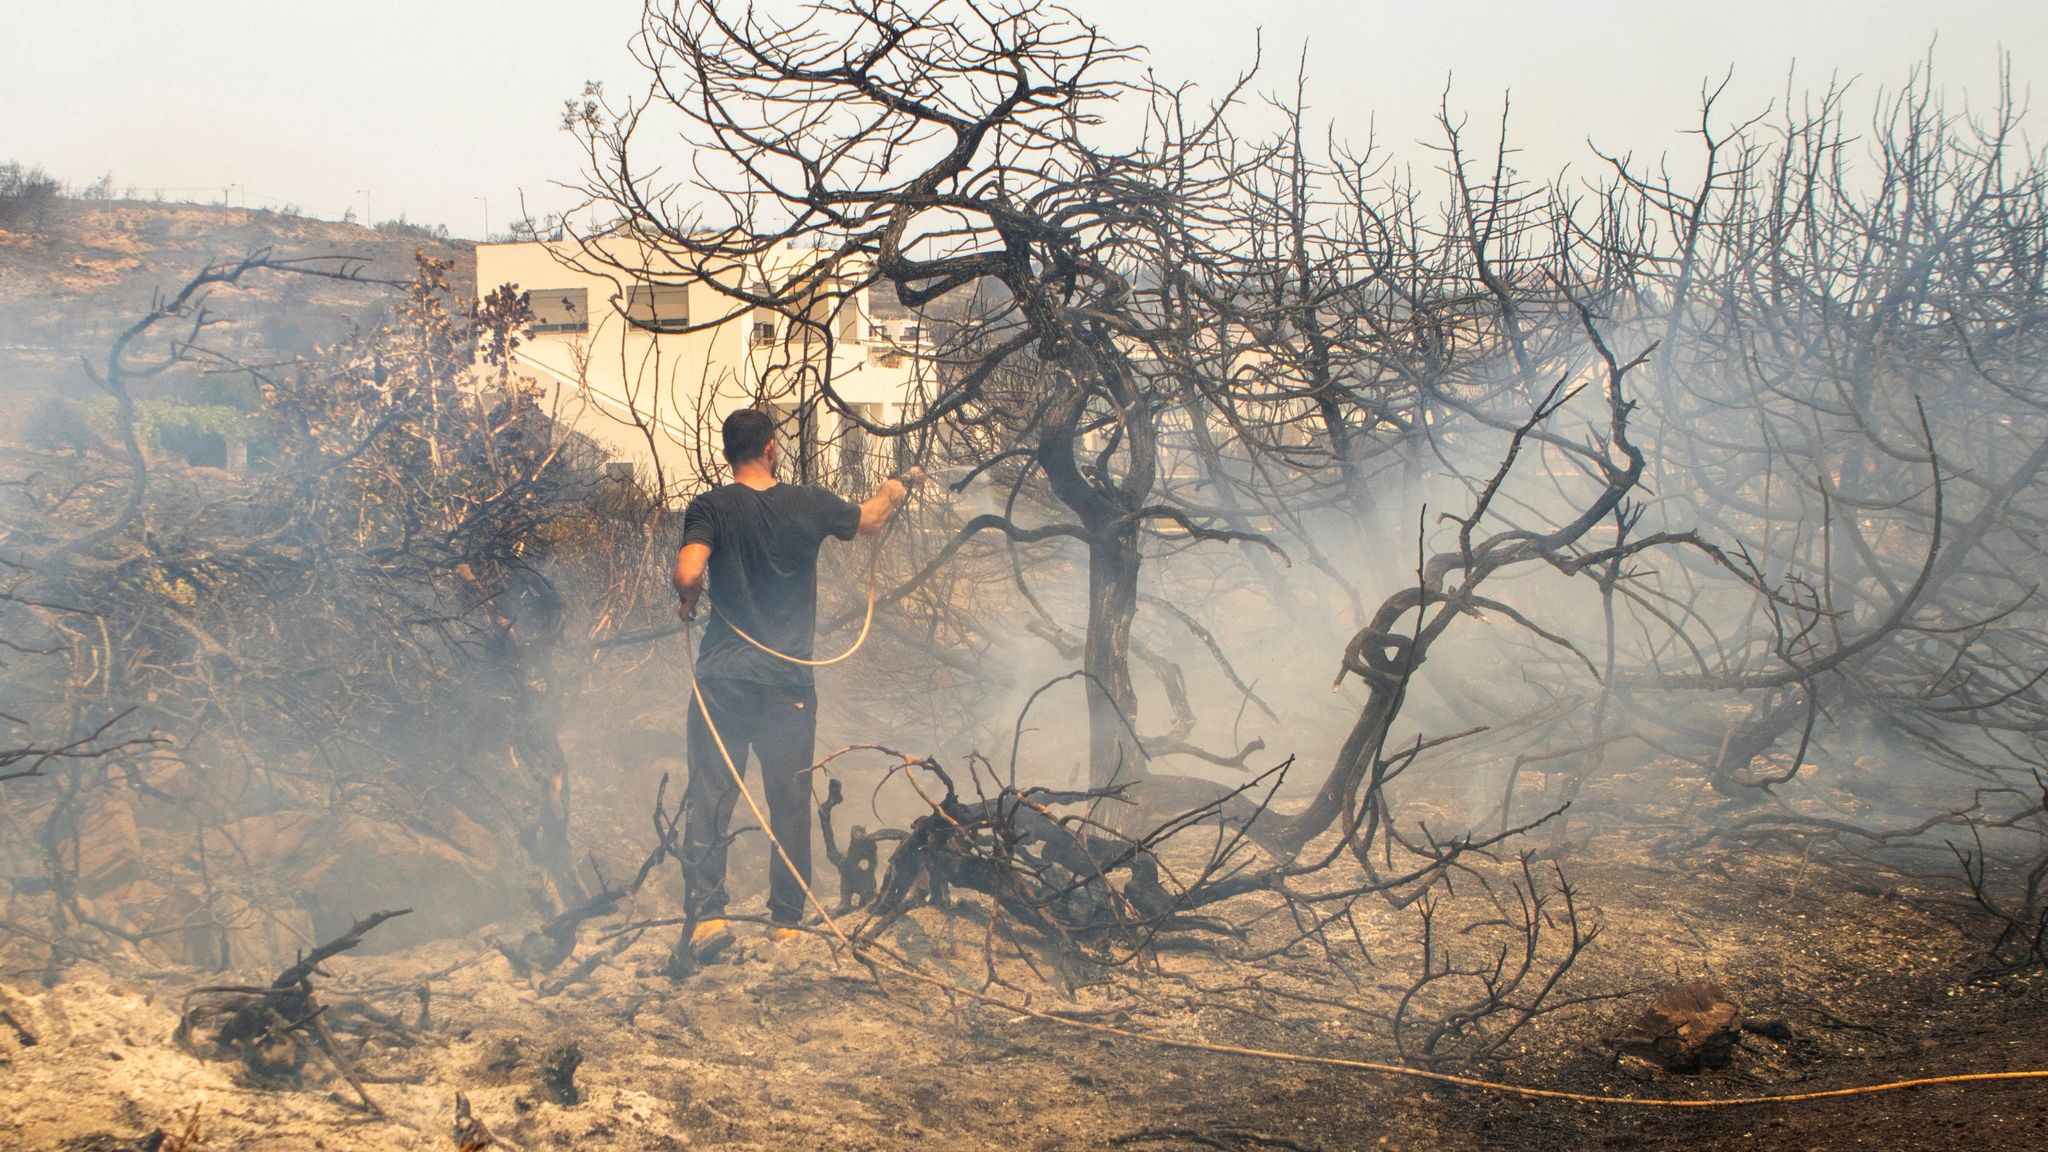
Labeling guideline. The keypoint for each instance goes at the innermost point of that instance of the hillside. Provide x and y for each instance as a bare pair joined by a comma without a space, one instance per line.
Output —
69,287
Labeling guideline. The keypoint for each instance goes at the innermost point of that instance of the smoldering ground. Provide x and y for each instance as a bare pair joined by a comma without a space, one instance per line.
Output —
1767,717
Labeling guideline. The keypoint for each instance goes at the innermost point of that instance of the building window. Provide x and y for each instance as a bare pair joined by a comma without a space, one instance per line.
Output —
560,309
912,333
658,307
858,459
764,332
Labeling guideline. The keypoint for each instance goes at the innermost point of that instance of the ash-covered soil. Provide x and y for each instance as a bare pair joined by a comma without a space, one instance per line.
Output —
788,1045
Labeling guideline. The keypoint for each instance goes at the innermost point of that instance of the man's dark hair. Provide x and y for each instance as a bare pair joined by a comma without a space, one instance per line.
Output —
747,433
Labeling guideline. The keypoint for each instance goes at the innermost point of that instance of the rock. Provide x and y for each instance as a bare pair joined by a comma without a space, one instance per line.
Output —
260,939
109,849
1687,1027
338,867
262,843
469,837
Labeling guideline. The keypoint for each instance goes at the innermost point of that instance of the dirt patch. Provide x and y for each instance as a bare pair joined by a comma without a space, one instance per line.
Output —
789,1046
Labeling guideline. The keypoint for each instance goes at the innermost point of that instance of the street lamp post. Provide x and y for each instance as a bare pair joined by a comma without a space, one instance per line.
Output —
487,217
368,220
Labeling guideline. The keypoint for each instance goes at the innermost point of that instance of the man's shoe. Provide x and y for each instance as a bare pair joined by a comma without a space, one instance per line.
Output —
710,936
786,950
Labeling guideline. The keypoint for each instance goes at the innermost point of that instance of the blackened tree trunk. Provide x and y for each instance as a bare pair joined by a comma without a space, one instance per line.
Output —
1114,756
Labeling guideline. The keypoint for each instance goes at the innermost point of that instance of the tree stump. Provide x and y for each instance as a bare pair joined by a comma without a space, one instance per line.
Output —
1686,1028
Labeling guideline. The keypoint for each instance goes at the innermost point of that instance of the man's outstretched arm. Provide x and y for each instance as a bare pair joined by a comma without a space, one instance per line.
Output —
876,510
691,560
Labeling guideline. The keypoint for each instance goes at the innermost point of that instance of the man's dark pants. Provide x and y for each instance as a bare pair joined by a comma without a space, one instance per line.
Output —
779,725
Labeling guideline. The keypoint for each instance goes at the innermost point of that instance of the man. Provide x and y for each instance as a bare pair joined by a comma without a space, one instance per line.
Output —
757,539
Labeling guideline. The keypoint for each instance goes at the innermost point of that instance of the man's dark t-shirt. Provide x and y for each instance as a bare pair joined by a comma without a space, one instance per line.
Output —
764,575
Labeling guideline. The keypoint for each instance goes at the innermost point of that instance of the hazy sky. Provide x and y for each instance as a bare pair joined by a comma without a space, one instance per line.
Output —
425,106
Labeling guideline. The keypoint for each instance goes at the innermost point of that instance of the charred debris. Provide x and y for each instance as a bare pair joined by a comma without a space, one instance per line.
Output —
1741,473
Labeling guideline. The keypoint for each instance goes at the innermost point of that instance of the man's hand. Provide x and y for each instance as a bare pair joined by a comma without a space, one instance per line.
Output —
888,497
898,487
686,608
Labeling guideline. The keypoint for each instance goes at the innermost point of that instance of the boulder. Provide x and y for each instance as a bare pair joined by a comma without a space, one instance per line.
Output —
176,928
109,848
338,868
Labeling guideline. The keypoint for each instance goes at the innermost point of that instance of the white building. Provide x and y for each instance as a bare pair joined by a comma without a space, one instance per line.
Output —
646,356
